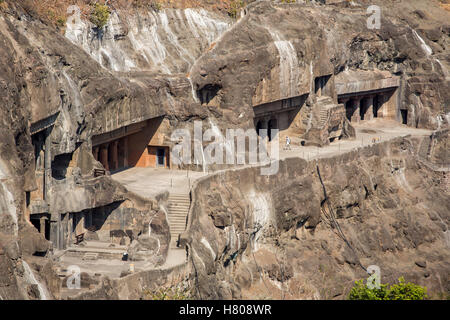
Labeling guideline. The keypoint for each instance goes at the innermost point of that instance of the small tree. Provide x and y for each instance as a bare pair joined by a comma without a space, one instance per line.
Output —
406,291
99,15
361,292
400,291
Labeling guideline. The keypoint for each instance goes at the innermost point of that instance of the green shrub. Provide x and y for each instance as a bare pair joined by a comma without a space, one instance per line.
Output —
61,21
175,293
406,291
156,6
400,291
99,15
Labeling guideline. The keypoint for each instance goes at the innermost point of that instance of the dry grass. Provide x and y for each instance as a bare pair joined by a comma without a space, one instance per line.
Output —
445,4
54,12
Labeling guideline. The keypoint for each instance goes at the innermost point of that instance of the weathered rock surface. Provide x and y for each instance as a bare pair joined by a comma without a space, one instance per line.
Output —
44,74
281,239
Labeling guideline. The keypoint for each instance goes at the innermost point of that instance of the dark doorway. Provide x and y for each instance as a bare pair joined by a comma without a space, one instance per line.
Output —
349,109
111,157
375,106
320,85
60,164
404,114
272,125
258,127
363,108
36,223
160,157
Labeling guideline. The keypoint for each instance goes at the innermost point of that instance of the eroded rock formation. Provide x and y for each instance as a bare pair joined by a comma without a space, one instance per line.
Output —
66,97
281,237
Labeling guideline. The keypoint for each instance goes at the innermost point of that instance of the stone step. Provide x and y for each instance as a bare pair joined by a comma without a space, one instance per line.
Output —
181,226
183,207
176,219
179,204
178,215
178,225
179,207
177,231
90,256
184,202
179,197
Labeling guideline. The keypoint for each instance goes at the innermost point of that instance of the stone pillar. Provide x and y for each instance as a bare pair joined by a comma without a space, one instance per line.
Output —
344,102
115,155
42,226
47,165
88,219
369,108
319,87
104,156
54,232
79,229
380,107
356,110
125,152
95,151
70,229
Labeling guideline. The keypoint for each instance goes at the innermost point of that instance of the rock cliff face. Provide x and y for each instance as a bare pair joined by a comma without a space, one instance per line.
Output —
309,231
184,65
278,57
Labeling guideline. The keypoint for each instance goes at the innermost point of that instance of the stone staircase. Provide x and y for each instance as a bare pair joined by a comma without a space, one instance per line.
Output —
324,103
179,205
425,148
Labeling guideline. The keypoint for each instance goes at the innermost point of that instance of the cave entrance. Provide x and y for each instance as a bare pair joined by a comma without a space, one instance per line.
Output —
349,109
404,114
376,106
42,224
320,85
160,157
258,127
136,145
60,164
